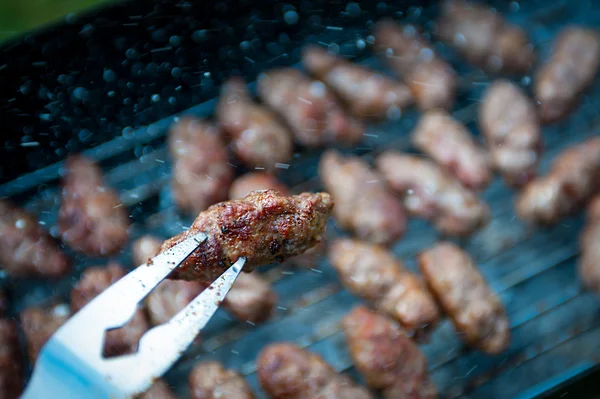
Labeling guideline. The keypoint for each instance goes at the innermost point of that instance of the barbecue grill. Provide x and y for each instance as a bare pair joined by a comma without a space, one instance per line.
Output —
109,84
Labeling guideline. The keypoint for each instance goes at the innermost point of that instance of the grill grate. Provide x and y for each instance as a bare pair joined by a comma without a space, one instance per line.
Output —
554,324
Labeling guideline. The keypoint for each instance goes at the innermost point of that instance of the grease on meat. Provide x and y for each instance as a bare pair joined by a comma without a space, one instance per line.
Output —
255,181
484,38
201,172
11,365
512,132
309,108
92,219
373,273
263,227
429,192
367,93
94,281
431,79
364,205
26,249
589,243
210,380
386,357
258,138
569,71
286,371
477,313
39,324
450,144
573,178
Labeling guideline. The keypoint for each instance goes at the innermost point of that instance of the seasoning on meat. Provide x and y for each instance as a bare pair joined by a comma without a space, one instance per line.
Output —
209,380
572,179
201,172
39,324
450,144
250,299
286,371
263,227
367,93
484,37
386,357
477,313
512,132
431,193
255,181
258,137
431,79
364,205
92,218
11,367
569,71
26,249
309,108
589,242
373,273
160,390
94,281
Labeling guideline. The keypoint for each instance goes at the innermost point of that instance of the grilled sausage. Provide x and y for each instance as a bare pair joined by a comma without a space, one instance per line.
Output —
450,144
159,390
94,281
92,219
484,38
572,179
365,206
569,71
286,371
26,249
512,132
255,181
11,367
477,313
250,299
309,108
201,172
431,79
258,138
589,242
431,193
386,357
373,273
367,93
210,380
39,324
264,227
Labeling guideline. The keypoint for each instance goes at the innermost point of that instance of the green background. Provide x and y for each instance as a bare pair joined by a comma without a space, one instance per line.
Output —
18,16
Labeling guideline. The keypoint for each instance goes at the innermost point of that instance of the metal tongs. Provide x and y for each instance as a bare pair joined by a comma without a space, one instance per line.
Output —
71,364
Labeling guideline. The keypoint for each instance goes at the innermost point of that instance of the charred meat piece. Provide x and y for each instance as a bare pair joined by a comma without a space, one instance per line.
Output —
477,313
309,108
512,132
364,205
569,71
450,144
255,181
373,273
201,172
367,93
386,357
210,380
484,38
263,227
258,138
92,219
160,390
252,298
572,179
39,324
431,193
431,79
11,367
94,281
26,249
589,242
287,371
